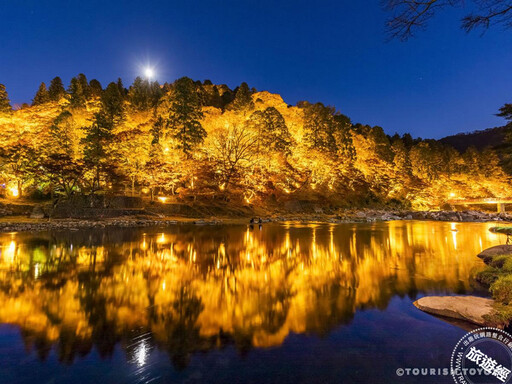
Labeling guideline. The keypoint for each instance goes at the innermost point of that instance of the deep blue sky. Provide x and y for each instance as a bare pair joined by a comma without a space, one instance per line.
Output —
442,82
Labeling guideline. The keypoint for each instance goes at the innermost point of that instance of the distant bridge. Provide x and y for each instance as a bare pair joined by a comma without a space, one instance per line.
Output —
500,202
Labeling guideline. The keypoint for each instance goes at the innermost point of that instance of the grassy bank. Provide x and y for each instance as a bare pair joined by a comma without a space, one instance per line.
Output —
497,277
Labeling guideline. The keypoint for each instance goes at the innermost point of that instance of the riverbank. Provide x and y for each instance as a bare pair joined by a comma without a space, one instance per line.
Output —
147,219
496,277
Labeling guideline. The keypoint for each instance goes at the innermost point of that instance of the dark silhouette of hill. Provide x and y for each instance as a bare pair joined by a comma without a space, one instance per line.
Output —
491,137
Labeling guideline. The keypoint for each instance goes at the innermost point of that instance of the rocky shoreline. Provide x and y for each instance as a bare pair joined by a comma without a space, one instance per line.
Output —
22,223
473,309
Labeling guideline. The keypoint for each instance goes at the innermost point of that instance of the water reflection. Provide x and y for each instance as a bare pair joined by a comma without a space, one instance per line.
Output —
188,289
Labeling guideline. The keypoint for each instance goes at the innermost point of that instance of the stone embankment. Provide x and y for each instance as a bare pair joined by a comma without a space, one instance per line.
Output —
37,220
370,215
45,225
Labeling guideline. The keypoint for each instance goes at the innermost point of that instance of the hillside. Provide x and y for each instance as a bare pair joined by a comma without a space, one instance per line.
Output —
196,141
491,137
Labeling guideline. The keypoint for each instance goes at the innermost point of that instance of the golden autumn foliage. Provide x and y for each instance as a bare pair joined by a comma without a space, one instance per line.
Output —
207,141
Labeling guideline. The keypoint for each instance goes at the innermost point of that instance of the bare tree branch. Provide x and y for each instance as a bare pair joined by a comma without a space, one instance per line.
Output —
410,15
490,12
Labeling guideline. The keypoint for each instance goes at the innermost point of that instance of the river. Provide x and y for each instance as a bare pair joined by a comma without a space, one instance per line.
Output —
288,303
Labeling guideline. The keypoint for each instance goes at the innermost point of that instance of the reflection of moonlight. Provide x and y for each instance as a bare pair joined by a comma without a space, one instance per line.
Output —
141,354
140,349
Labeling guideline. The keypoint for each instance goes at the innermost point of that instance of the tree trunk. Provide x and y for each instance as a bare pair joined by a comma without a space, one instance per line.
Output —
133,186
20,192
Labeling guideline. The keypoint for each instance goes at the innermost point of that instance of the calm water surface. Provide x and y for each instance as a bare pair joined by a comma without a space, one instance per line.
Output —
287,303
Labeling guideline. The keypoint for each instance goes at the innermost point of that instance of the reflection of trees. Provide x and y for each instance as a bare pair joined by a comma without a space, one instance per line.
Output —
104,332
194,289
181,328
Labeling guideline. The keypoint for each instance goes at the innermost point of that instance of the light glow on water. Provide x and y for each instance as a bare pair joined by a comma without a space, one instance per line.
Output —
195,284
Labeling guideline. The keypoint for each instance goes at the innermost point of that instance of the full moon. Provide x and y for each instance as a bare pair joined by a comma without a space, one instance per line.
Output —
149,73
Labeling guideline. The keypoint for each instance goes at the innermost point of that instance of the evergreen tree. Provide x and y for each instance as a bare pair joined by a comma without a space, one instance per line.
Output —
58,163
95,88
140,94
319,126
156,93
506,112
96,142
215,99
157,130
5,104
184,116
99,136
41,96
122,90
505,148
56,90
61,135
243,99
76,91
272,131
113,104
343,137
401,159
227,97
82,79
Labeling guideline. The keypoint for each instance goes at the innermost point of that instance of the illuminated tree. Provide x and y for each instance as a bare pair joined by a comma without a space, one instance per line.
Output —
215,98
184,115
5,105
112,104
41,96
143,94
96,148
319,126
401,159
122,90
426,161
505,148
272,131
157,172
233,150
61,171
77,94
56,90
343,138
131,149
96,88
18,161
84,84
243,100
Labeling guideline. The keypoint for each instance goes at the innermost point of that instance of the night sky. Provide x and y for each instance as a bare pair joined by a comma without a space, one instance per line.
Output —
442,82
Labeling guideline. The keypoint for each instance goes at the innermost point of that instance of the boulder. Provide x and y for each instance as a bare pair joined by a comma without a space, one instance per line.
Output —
468,308
489,254
37,213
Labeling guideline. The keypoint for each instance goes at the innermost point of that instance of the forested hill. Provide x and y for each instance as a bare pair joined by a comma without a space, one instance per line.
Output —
491,137
197,141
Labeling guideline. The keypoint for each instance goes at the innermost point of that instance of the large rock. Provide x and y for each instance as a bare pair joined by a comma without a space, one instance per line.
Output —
37,213
468,308
499,250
